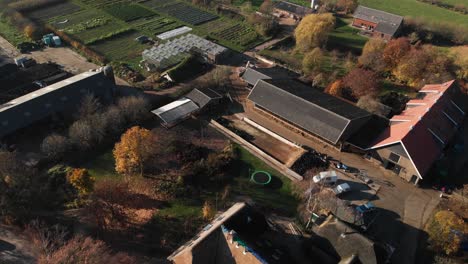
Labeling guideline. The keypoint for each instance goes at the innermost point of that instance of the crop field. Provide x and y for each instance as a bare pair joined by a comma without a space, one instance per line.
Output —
238,34
128,12
154,26
187,13
414,8
43,14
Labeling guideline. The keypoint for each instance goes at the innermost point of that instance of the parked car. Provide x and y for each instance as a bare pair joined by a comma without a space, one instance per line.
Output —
342,188
326,177
364,208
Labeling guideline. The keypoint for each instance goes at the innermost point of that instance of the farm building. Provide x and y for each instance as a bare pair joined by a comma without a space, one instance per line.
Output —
194,102
173,51
62,97
252,75
286,9
203,97
377,23
334,241
306,110
417,137
232,237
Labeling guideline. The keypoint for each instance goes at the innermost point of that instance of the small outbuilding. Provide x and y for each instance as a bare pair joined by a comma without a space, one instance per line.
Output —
203,97
283,8
378,23
175,112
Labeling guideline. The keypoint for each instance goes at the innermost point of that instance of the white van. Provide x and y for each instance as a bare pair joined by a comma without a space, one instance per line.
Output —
326,177
342,188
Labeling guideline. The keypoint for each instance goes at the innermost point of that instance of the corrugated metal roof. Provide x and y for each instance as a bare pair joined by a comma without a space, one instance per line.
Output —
176,110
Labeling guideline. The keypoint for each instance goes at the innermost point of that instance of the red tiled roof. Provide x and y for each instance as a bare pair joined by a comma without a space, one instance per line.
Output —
424,127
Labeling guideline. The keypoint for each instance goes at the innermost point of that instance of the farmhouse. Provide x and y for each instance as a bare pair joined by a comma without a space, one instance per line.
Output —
252,75
173,51
229,239
287,9
377,23
179,110
306,110
417,137
62,97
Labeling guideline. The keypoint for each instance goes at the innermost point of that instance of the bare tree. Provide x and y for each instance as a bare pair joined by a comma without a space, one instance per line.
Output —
89,106
134,109
54,146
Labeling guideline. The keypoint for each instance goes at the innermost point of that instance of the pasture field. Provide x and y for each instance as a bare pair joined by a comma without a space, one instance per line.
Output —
416,9
128,12
187,13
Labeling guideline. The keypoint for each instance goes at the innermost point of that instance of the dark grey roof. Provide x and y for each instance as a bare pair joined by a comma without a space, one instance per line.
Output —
176,111
252,75
202,96
354,243
386,22
366,135
293,8
319,113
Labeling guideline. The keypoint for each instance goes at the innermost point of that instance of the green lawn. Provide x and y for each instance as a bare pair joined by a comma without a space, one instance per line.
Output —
416,9
275,196
10,33
102,167
345,37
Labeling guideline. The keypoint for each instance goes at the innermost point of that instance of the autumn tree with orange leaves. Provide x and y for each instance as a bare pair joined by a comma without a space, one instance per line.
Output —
133,151
335,88
81,180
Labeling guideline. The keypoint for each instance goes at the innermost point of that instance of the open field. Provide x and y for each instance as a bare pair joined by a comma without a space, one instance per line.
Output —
416,9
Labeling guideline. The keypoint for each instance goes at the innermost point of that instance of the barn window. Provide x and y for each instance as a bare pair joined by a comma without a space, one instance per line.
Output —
394,157
64,98
5,123
27,114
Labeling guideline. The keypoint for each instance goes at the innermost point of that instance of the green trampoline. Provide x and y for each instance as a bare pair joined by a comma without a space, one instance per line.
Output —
261,177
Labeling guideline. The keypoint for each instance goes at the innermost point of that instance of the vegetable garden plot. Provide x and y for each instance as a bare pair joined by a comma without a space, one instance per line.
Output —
157,3
87,25
128,12
155,25
121,48
45,13
187,13
98,3
238,34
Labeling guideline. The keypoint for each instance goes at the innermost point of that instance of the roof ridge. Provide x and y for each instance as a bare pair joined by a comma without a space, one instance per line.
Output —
348,119
381,11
